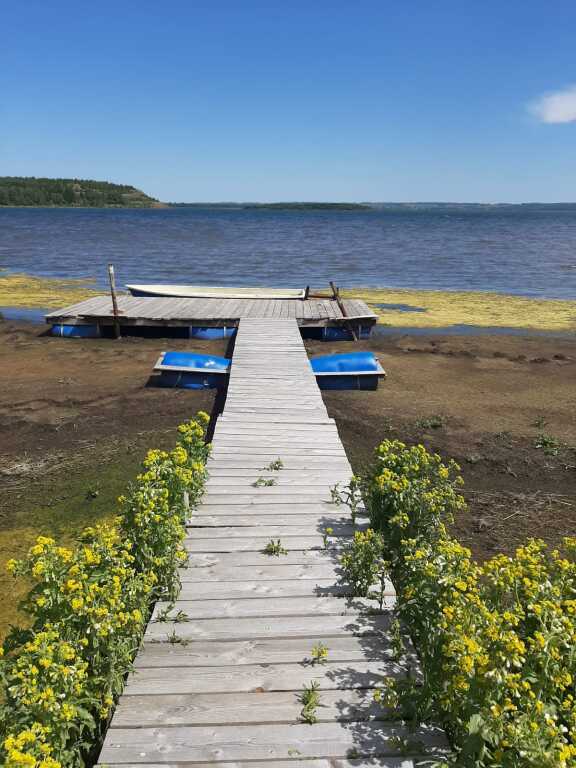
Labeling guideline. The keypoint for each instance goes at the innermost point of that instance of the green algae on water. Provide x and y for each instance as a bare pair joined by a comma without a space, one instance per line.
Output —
440,309
30,292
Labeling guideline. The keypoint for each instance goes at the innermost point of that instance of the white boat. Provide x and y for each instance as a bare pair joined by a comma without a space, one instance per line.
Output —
214,292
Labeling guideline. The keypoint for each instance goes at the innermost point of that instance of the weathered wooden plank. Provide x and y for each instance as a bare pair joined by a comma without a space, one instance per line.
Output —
315,605
315,627
318,492
271,531
290,477
257,588
241,410
256,466
278,404
280,441
260,742
225,426
266,496
142,711
274,451
223,573
335,519
270,418
283,494
253,544
232,653
153,681
273,495
310,557
295,463
272,507
373,762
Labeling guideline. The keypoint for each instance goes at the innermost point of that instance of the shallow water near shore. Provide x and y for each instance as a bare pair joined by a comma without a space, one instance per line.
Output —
510,250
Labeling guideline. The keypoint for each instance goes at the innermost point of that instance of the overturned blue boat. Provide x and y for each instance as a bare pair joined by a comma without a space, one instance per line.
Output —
351,370
75,331
191,370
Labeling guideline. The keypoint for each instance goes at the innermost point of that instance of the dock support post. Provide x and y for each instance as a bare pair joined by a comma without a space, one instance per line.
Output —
115,312
336,296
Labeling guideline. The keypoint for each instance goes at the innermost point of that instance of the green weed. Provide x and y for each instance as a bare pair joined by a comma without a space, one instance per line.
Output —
264,482
310,699
275,548
548,444
431,422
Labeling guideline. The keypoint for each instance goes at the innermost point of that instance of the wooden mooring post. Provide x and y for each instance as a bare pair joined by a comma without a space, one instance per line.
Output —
336,296
115,311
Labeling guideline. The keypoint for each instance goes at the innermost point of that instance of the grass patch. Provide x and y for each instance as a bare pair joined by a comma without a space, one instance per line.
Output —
431,422
550,445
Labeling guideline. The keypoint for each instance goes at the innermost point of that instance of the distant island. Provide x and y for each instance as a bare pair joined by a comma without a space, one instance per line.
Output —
29,191
391,206
296,206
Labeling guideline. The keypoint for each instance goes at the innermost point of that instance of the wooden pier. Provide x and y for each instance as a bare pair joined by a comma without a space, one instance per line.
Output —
213,312
220,684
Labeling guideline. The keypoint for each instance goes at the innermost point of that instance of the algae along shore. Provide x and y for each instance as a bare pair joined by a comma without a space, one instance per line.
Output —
443,309
31,292
396,308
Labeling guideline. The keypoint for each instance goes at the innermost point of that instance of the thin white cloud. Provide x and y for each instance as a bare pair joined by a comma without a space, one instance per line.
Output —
556,106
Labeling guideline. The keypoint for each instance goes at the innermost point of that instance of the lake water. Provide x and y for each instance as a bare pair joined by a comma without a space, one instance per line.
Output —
512,250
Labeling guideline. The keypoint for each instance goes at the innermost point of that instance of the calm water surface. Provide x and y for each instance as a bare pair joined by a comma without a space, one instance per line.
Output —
525,252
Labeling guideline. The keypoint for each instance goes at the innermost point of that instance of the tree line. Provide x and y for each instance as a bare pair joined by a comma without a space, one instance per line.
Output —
83,193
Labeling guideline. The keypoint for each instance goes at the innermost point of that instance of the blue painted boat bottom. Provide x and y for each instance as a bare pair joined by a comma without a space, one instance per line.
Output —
351,370
76,331
192,370
200,332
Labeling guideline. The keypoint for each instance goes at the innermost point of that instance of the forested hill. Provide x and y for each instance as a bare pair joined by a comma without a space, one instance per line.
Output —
81,193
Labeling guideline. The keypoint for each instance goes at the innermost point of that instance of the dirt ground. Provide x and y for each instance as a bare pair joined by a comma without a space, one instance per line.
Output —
77,416
487,402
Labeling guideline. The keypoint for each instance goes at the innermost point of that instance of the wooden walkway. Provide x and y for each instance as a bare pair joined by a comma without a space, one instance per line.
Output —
205,312
220,686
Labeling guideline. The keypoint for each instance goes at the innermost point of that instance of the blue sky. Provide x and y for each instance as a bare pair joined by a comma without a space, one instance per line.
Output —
316,100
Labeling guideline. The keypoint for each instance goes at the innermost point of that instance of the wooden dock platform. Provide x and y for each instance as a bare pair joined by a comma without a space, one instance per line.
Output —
215,312
221,685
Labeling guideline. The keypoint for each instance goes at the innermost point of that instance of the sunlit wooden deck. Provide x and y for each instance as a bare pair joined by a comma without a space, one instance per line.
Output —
212,312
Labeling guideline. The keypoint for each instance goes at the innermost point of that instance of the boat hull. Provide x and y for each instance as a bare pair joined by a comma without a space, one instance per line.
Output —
214,292
352,370
191,370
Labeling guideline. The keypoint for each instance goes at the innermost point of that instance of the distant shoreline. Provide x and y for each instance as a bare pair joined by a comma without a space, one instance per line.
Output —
404,207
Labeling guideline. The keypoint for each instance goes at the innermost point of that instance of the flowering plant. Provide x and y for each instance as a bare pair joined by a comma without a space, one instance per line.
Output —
497,641
88,607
